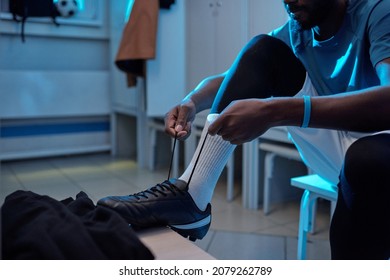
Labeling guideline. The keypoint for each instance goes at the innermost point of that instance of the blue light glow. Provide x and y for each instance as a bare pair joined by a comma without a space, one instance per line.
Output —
342,61
129,8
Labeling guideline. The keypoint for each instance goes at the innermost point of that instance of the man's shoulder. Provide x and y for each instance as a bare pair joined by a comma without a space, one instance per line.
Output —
365,6
363,13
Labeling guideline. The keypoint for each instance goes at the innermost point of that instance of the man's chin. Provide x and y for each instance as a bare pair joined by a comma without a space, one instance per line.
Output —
300,25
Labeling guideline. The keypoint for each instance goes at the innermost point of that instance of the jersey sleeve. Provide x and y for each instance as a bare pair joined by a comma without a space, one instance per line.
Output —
379,32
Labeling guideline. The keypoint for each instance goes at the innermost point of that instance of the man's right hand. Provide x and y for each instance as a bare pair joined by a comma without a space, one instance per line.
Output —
179,120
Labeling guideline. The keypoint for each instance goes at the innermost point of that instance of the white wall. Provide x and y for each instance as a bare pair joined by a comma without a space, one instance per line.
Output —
265,15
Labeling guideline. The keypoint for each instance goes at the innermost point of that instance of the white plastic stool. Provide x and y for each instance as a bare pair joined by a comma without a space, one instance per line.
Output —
315,187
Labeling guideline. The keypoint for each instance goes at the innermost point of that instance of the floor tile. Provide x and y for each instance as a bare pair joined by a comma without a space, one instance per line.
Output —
278,230
239,219
283,213
316,249
246,246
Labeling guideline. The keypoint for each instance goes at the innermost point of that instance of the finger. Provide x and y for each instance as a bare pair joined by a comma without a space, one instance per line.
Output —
171,116
236,142
215,127
170,121
182,135
181,120
185,133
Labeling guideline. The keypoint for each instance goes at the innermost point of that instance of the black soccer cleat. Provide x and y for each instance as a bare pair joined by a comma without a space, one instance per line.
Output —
166,204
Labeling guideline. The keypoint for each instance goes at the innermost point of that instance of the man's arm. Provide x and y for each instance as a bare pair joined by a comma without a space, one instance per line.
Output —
204,94
365,110
179,119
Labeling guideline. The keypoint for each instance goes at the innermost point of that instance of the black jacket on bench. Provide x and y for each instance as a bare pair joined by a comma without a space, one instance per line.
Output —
40,227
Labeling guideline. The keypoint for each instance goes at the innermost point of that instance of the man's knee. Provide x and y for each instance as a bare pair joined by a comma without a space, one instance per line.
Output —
267,48
367,164
265,67
270,57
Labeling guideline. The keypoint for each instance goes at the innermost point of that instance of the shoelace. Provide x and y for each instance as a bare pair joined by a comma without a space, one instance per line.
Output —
167,185
159,189
173,152
196,161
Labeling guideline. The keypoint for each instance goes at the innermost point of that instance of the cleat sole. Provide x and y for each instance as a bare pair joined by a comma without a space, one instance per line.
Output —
195,230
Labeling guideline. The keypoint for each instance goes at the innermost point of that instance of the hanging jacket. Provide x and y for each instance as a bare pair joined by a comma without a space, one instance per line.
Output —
138,41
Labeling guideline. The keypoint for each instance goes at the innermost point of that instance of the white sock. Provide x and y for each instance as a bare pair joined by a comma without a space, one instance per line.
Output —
212,160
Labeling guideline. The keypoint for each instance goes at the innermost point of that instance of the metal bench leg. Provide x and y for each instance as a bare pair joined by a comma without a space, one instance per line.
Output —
304,220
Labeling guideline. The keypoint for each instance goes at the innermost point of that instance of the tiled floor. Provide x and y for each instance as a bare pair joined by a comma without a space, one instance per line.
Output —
236,233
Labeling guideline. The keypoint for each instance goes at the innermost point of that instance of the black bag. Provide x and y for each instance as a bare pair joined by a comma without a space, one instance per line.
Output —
23,9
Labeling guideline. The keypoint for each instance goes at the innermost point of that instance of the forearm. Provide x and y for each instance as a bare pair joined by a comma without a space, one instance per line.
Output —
365,111
204,94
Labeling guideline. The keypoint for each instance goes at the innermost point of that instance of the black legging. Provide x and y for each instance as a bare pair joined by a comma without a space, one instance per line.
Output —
360,225
258,71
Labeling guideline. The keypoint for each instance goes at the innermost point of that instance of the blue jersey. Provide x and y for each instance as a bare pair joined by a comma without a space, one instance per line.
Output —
347,61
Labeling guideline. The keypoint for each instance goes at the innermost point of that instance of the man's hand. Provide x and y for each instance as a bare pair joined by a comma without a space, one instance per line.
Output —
179,120
242,121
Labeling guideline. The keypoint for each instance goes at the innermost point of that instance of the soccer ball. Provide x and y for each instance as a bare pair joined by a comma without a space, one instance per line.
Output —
66,8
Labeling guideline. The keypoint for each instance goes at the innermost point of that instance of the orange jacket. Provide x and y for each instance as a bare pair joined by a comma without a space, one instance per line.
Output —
138,41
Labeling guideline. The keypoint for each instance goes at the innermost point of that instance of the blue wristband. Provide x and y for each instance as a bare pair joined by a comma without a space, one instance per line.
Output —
307,111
